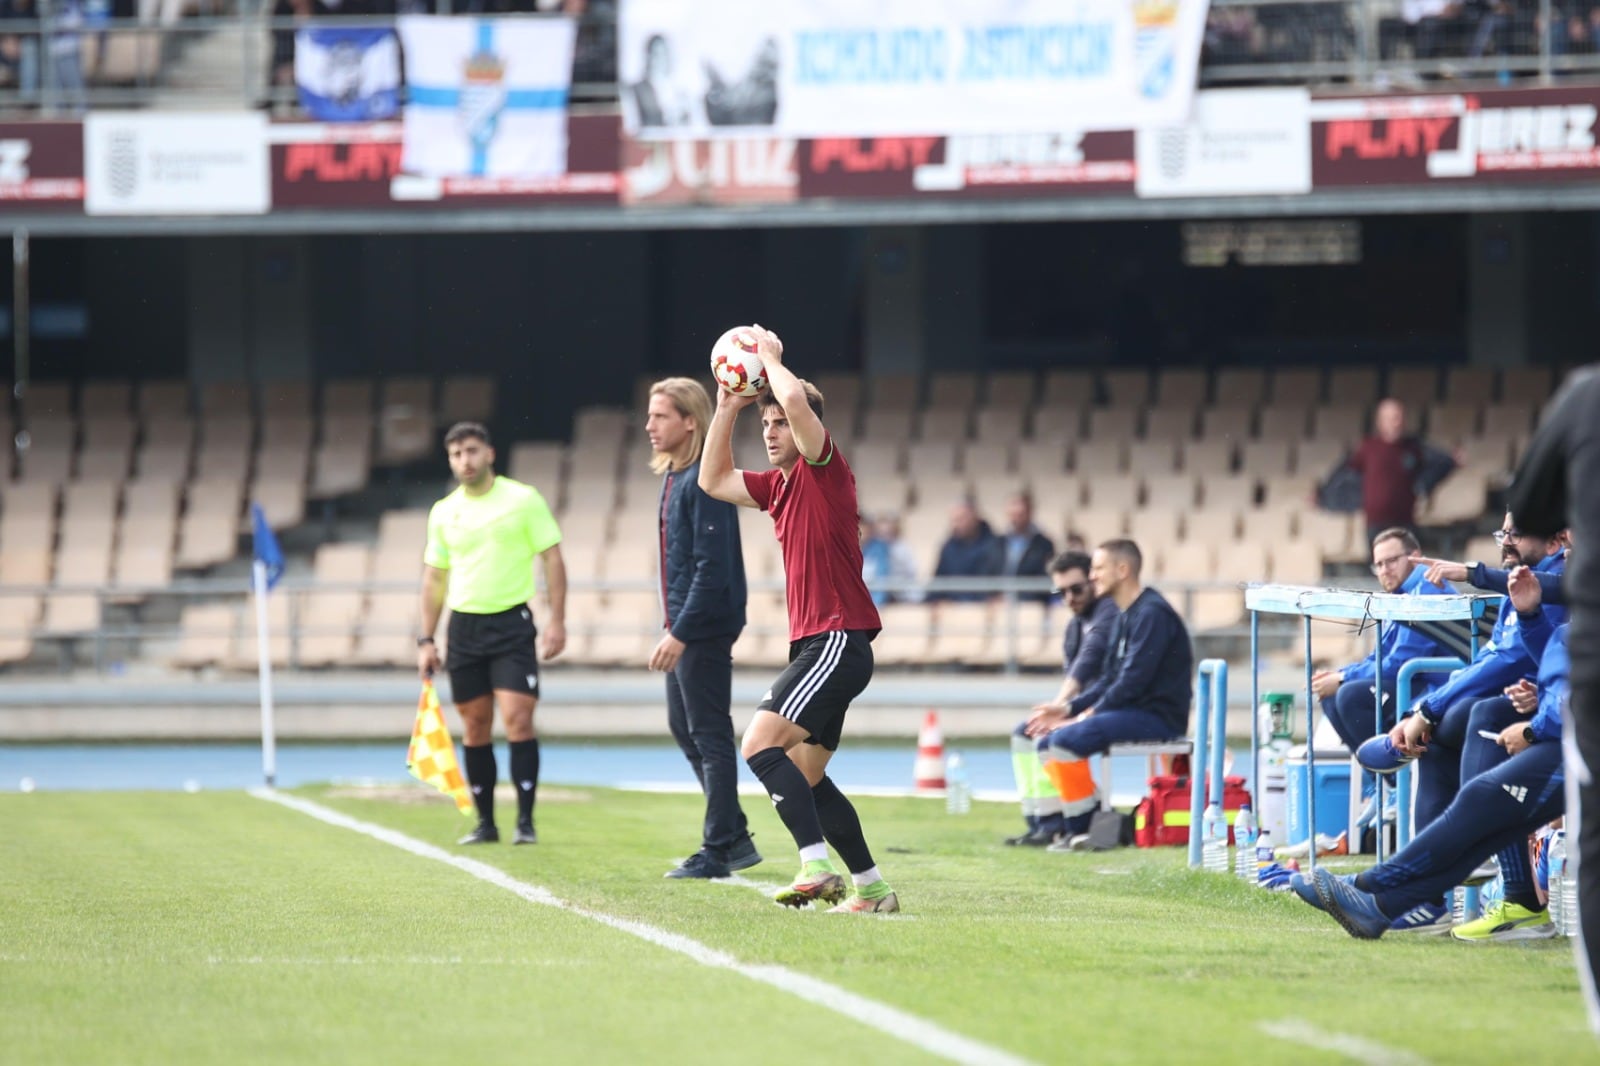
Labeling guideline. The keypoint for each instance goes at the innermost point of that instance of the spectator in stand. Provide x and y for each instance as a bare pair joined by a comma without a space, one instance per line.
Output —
19,46
1393,469
1348,695
64,70
971,550
886,557
1027,551
280,72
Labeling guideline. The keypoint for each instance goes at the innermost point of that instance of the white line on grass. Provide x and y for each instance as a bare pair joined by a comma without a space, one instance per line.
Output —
891,1021
1298,1031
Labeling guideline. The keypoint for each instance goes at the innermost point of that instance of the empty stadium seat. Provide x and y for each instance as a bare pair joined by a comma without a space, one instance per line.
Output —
1529,386
955,390
942,424
1010,389
1282,421
1176,491
1451,424
467,399
1226,424
1417,386
1056,424
225,400
159,401
1296,386
895,392
1004,425
1471,386
1068,389
106,397
1343,425
1152,458
961,633
288,399
205,634
1100,458
1266,459
1240,387
907,635
1178,387
1227,493
350,396
1173,424
1125,388
46,400
1355,386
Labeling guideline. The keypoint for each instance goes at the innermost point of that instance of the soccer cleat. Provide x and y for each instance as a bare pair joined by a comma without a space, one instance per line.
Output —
1504,922
485,833
743,855
526,833
859,904
1302,886
1381,756
699,865
1075,842
822,882
1428,918
1356,911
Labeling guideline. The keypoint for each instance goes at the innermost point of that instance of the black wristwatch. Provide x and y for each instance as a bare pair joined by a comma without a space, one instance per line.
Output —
1527,733
423,642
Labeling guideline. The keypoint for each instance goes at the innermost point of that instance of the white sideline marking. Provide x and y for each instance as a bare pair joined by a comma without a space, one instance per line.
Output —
891,1021
1297,1031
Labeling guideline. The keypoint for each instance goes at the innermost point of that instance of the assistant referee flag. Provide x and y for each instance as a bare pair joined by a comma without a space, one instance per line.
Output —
432,756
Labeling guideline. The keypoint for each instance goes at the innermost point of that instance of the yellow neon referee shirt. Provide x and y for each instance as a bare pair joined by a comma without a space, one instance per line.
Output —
488,544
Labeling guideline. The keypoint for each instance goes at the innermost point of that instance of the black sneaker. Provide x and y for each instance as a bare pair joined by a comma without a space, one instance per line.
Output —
742,856
1038,838
699,865
486,833
526,834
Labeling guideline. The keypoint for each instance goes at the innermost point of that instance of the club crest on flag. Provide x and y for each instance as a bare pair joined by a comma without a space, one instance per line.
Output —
432,755
483,97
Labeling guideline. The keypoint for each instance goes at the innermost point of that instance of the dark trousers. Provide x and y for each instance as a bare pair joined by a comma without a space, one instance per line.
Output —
1493,812
1456,752
700,715
1583,823
1096,734
1350,710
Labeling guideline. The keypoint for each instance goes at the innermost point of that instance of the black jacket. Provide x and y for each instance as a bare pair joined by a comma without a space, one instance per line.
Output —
1149,667
703,582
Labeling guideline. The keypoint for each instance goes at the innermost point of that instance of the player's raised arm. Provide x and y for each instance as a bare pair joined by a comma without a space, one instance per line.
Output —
810,436
719,478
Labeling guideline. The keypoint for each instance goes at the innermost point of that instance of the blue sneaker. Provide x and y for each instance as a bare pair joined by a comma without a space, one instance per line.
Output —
1430,918
1381,756
1306,889
1356,911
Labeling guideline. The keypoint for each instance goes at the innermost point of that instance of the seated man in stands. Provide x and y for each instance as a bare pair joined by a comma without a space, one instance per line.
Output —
1083,655
1470,700
971,550
1348,698
1143,692
1494,812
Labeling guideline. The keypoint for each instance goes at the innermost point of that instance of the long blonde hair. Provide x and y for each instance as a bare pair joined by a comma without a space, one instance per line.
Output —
692,401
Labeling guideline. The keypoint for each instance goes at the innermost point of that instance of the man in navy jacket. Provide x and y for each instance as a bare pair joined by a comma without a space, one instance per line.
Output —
703,597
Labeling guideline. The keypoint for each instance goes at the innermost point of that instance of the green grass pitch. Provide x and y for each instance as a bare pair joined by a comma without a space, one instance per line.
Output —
210,928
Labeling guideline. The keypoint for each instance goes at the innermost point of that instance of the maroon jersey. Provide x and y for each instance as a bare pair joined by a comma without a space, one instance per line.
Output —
818,520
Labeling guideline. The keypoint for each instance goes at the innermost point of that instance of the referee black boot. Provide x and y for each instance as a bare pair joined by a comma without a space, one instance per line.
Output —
486,833
526,834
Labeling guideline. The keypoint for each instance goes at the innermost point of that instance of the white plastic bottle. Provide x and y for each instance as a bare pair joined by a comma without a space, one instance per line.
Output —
1214,841
1244,843
1557,881
957,786
1264,856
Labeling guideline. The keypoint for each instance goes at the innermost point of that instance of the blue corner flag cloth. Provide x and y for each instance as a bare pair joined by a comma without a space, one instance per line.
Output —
266,545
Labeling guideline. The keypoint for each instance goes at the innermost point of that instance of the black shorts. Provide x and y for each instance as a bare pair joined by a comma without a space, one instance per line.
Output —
825,673
492,651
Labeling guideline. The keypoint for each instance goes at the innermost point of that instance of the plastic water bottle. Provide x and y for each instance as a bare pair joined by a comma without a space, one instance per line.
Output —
1557,881
957,787
1244,842
1214,848
1264,856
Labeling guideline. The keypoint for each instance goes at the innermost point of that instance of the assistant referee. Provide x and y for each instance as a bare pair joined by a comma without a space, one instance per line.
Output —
482,539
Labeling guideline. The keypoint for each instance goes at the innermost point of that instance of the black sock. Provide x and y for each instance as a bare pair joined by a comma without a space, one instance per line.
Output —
1363,882
1528,899
791,794
481,774
842,826
525,775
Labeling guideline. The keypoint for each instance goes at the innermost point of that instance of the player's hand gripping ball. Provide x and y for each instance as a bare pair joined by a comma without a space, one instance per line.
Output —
736,362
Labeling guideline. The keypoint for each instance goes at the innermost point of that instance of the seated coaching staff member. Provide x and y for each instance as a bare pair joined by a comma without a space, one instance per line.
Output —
482,539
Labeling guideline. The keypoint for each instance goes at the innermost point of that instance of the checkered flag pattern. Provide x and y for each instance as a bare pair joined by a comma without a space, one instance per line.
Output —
432,756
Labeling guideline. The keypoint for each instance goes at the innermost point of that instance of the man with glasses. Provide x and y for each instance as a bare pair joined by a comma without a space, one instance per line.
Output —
1083,655
1348,695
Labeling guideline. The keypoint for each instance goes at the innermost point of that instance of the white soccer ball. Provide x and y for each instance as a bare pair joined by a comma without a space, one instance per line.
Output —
736,362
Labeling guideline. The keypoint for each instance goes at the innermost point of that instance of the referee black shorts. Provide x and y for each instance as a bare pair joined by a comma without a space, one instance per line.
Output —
492,651
825,673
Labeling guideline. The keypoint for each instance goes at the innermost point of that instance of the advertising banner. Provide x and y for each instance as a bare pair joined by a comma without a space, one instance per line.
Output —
166,163
1245,142
345,74
41,167
969,166
487,98
1521,135
743,171
834,68
317,165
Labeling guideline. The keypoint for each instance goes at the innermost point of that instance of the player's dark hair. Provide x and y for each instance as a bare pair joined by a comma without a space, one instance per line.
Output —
813,398
1408,540
466,430
1069,561
1127,551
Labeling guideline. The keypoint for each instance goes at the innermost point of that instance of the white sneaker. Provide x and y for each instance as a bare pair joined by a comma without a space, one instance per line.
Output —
1326,845
1076,842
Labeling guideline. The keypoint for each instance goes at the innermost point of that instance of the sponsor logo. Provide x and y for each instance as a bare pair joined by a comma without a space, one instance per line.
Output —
122,163
1517,792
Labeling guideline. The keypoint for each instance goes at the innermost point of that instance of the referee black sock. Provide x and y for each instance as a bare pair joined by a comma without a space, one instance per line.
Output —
842,826
790,793
481,775
525,775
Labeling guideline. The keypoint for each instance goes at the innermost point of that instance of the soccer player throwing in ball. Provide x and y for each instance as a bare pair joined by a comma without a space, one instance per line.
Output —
811,497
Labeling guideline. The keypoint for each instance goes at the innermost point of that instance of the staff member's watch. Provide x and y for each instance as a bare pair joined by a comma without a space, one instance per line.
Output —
423,642
1527,733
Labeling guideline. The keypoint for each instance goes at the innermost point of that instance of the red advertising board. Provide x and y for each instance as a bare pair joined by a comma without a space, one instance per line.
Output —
41,167
1521,135
328,165
1009,166
745,170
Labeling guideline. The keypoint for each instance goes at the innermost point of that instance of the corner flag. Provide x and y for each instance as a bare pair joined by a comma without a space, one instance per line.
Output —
267,551
432,756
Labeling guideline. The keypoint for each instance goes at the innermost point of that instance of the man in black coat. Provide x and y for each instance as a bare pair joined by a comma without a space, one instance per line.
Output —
703,597
1556,486
1027,551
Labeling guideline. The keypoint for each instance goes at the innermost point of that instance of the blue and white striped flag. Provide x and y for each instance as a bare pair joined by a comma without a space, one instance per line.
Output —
346,74
487,97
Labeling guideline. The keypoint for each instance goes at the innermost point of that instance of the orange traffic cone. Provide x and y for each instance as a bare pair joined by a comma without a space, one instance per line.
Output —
929,770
